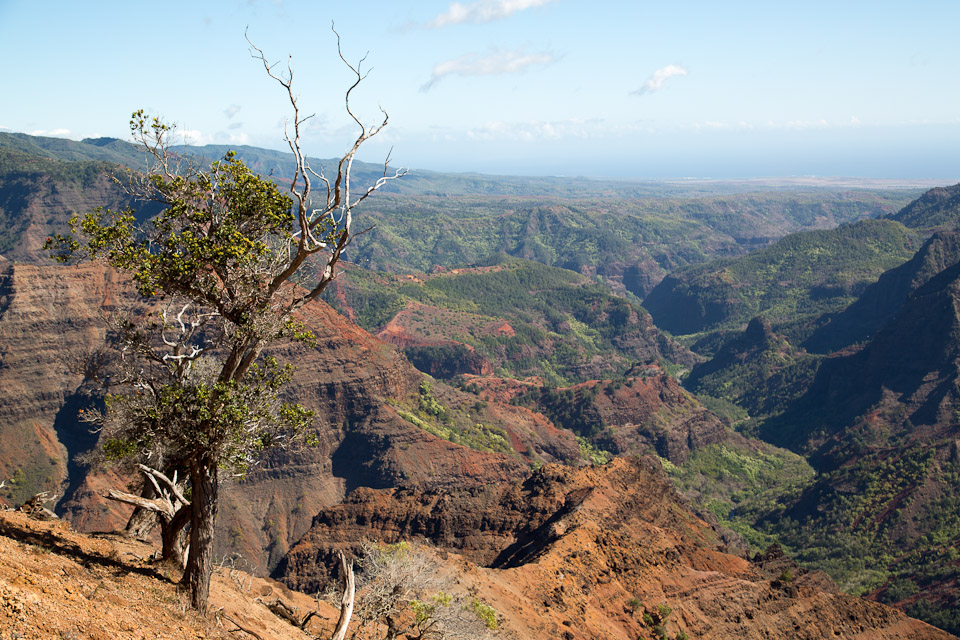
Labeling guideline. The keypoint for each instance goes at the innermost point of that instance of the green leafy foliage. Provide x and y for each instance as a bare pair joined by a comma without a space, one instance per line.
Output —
592,453
656,620
38,194
199,246
757,371
571,409
868,526
486,613
939,207
220,259
203,415
217,243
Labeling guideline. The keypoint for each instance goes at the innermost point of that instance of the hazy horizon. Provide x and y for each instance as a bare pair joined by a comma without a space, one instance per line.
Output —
516,87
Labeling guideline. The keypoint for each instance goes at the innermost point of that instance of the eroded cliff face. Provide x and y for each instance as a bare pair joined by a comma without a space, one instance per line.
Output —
653,413
52,318
645,412
584,553
38,195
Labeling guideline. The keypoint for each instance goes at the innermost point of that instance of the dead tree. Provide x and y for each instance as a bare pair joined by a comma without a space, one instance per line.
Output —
348,584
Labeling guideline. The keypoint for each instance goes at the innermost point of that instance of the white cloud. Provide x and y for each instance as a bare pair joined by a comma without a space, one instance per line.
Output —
483,11
232,110
655,81
238,138
53,133
497,63
194,137
802,125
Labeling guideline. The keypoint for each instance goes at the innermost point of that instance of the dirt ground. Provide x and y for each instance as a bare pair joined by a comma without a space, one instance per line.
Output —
62,585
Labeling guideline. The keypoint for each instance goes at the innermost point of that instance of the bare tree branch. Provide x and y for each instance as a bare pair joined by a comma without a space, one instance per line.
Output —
157,505
346,600
171,485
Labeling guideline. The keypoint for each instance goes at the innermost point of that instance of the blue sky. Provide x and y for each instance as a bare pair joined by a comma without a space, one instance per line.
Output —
559,87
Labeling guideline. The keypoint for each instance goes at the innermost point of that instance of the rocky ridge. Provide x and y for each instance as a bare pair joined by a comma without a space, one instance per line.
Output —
881,300
580,554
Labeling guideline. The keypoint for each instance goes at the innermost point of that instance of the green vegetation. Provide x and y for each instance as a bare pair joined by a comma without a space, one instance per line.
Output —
27,180
554,293
791,283
727,410
941,614
592,453
656,620
737,485
938,207
433,417
867,525
227,247
587,235
20,166
35,471
522,317
98,150
486,614
757,371
571,409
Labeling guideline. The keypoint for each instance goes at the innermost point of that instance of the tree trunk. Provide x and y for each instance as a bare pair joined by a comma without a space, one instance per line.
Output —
173,536
203,516
142,521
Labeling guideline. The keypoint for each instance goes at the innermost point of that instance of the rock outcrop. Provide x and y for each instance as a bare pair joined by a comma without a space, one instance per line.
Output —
50,320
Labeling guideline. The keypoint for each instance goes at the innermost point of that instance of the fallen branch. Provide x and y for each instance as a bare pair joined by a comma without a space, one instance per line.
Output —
35,509
281,610
157,505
